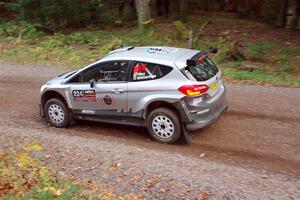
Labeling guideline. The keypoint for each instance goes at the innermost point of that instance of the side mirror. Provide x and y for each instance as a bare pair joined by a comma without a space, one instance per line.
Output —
92,83
213,50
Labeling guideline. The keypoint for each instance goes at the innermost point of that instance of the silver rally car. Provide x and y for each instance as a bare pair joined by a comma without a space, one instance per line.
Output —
171,91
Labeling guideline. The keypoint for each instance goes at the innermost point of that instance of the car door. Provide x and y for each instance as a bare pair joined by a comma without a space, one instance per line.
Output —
108,95
146,84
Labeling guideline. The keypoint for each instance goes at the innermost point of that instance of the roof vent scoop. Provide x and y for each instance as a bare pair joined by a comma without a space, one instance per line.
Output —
121,49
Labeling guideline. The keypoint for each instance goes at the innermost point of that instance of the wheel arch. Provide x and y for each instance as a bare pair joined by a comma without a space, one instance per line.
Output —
160,104
52,94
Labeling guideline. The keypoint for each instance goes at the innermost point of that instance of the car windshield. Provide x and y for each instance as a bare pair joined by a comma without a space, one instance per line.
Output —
205,69
69,74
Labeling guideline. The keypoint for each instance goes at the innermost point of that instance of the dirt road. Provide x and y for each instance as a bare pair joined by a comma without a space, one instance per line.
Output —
251,152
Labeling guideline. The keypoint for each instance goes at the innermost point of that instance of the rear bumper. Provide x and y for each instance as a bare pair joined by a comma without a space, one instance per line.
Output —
206,113
202,123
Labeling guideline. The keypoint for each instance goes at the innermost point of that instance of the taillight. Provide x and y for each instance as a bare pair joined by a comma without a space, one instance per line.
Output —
192,90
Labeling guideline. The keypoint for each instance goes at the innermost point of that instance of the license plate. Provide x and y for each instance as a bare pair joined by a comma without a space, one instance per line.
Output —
214,86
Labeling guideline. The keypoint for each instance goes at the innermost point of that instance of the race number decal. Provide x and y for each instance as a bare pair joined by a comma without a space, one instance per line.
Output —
84,95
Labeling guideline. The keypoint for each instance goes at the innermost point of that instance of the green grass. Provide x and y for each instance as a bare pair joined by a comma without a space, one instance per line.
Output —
78,48
262,76
258,51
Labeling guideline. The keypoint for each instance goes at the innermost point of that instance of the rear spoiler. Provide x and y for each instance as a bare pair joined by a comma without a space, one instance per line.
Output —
201,56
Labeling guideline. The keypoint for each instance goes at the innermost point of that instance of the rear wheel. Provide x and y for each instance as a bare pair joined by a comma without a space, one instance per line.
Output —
164,125
57,113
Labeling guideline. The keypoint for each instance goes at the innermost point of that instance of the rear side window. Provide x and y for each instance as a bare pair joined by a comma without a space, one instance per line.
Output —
204,70
142,71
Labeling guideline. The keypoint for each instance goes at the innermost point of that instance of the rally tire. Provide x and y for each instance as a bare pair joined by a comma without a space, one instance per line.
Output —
164,125
56,113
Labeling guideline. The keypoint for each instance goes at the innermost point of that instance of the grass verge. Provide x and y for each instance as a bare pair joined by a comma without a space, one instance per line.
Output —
261,77
278,64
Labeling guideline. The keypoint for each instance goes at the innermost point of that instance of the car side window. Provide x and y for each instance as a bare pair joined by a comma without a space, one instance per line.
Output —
109,71
142,71
75,79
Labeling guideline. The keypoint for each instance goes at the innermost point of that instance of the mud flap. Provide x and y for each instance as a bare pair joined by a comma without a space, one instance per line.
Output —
41,111
186,136
72,120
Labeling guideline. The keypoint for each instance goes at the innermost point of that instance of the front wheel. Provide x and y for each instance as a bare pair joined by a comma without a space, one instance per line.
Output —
57,113
164,125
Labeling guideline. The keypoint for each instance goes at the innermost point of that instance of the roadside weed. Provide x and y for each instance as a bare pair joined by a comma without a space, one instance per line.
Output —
23,176
258,51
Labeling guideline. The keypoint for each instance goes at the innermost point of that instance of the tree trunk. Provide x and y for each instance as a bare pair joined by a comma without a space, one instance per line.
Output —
222,4
282,13
121,6
143,11
233,5
205,5
163,7
159,9
181,9
296,15
257,7
246,6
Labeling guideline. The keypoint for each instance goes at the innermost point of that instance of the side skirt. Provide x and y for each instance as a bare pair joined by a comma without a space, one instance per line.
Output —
132,121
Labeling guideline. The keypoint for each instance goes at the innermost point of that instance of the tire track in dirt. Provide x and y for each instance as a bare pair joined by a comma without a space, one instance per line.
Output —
260,116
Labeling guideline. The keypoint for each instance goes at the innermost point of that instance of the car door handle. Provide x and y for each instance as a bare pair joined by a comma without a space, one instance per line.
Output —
117,91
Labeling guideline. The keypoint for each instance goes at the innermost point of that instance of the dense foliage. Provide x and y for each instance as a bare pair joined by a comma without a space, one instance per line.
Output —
55,14
58,14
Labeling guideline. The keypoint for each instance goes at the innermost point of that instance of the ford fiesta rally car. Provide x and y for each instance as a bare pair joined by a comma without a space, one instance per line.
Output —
171,91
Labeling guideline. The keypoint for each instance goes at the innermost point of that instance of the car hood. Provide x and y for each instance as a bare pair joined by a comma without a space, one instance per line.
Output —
59,79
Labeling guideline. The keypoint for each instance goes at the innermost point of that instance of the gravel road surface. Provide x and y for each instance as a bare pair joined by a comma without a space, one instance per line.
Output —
251,152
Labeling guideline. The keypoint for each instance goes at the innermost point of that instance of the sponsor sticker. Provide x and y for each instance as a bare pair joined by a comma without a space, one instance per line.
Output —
90,112
107,100
203,111
159,50
197,100
214,86
140,72
139,68
84,95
